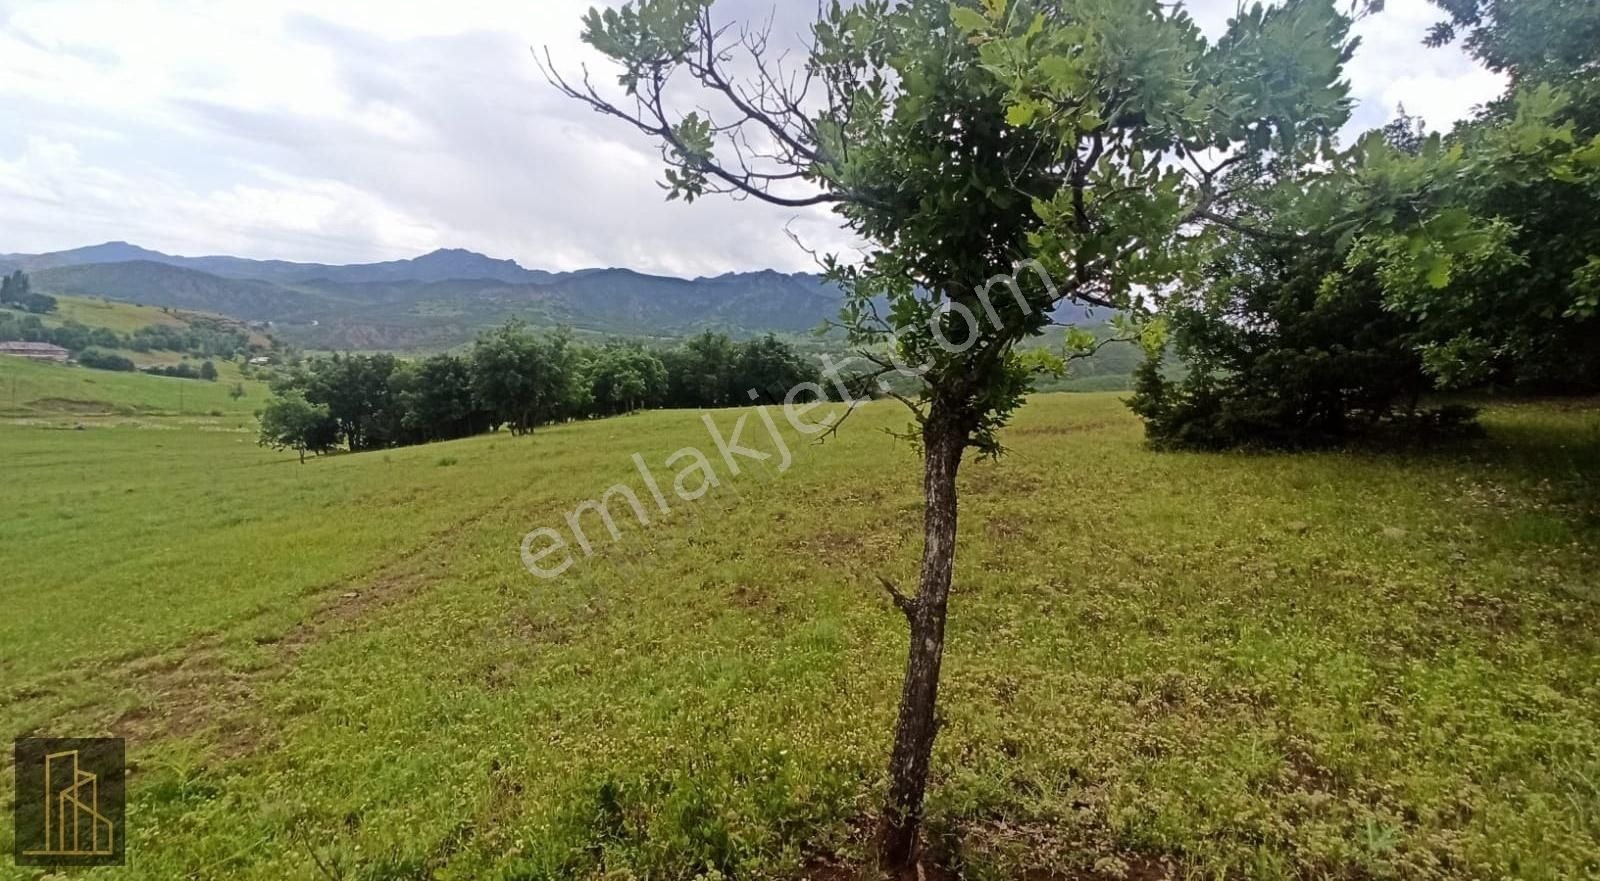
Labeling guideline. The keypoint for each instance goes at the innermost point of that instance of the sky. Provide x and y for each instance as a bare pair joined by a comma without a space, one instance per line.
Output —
366,130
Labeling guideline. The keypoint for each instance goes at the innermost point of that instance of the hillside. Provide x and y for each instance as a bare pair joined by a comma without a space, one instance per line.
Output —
63,395
114,315
159,284
439,300
1343,665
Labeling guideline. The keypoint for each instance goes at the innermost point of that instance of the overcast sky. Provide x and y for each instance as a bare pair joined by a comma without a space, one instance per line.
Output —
363,130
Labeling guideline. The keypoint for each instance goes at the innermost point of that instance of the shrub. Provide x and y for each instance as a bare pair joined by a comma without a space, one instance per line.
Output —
101,360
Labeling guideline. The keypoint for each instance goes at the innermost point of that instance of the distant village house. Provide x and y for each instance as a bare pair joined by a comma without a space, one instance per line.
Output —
35,351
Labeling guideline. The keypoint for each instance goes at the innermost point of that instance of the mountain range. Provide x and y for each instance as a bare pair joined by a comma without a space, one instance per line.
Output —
436,301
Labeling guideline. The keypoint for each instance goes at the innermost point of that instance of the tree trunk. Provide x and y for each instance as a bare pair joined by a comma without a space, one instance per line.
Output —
944,441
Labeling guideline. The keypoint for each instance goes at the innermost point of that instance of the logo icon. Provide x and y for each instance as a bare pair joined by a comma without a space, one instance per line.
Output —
71,807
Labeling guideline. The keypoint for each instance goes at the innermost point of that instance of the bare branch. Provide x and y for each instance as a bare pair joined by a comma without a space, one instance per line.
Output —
651,118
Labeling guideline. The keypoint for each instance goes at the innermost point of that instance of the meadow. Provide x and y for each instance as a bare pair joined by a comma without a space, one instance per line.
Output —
1357,664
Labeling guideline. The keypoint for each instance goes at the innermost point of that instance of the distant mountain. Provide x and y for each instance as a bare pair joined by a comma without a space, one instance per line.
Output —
110,252
437,266
441,265
158,284
439,300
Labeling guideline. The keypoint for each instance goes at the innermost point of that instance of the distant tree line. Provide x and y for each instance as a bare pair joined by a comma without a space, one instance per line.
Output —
207,371
204,338
71,335
15,290
516,379
100,359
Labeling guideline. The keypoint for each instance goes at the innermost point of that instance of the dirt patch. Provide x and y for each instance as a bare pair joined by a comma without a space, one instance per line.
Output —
833,544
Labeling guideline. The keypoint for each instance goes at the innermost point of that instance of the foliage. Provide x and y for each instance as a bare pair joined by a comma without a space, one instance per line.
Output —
1555,41
524,379
15,289
436,400
204,338
1282,342
1486,239
101,360
1410,261
623,378
958,140
291,422
70,335
185,370
521,380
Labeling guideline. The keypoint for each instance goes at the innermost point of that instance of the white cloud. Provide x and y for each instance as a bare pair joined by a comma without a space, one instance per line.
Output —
375,129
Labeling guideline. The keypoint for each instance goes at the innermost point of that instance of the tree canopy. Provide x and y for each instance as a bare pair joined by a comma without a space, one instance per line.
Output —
1092,139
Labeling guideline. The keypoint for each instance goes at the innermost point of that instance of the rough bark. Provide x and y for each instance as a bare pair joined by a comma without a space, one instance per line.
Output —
944,441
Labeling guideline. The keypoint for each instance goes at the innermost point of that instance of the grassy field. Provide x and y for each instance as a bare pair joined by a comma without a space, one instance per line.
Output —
62,395
120,317
1343,665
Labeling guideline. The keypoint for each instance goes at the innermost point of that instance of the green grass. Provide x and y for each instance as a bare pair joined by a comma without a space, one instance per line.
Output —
120,317
63,395
1341,665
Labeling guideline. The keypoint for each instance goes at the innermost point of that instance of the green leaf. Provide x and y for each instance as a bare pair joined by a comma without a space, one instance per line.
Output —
968,20
1020,114
1439,273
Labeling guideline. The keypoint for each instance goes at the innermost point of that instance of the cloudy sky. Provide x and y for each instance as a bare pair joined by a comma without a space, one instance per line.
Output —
365,130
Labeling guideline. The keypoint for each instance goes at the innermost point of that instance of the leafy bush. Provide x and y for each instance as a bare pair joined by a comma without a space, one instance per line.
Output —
100,360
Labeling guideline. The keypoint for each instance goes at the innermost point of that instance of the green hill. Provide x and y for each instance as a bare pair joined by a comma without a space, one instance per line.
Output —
63,394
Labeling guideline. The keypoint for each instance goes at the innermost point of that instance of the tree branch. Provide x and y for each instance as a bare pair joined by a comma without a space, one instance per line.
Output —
906,604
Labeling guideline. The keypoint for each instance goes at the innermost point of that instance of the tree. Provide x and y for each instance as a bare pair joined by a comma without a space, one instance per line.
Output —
525,380
1553,41
293,423
100,360
1405,132
1490,237
17,289
13,287
1283,344
960,140
624,378
355,389
237,391
701,372
208,371
436,400
770,368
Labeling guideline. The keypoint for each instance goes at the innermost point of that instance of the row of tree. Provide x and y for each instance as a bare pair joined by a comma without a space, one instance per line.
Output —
1416,264
100,359
17,291
517,379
